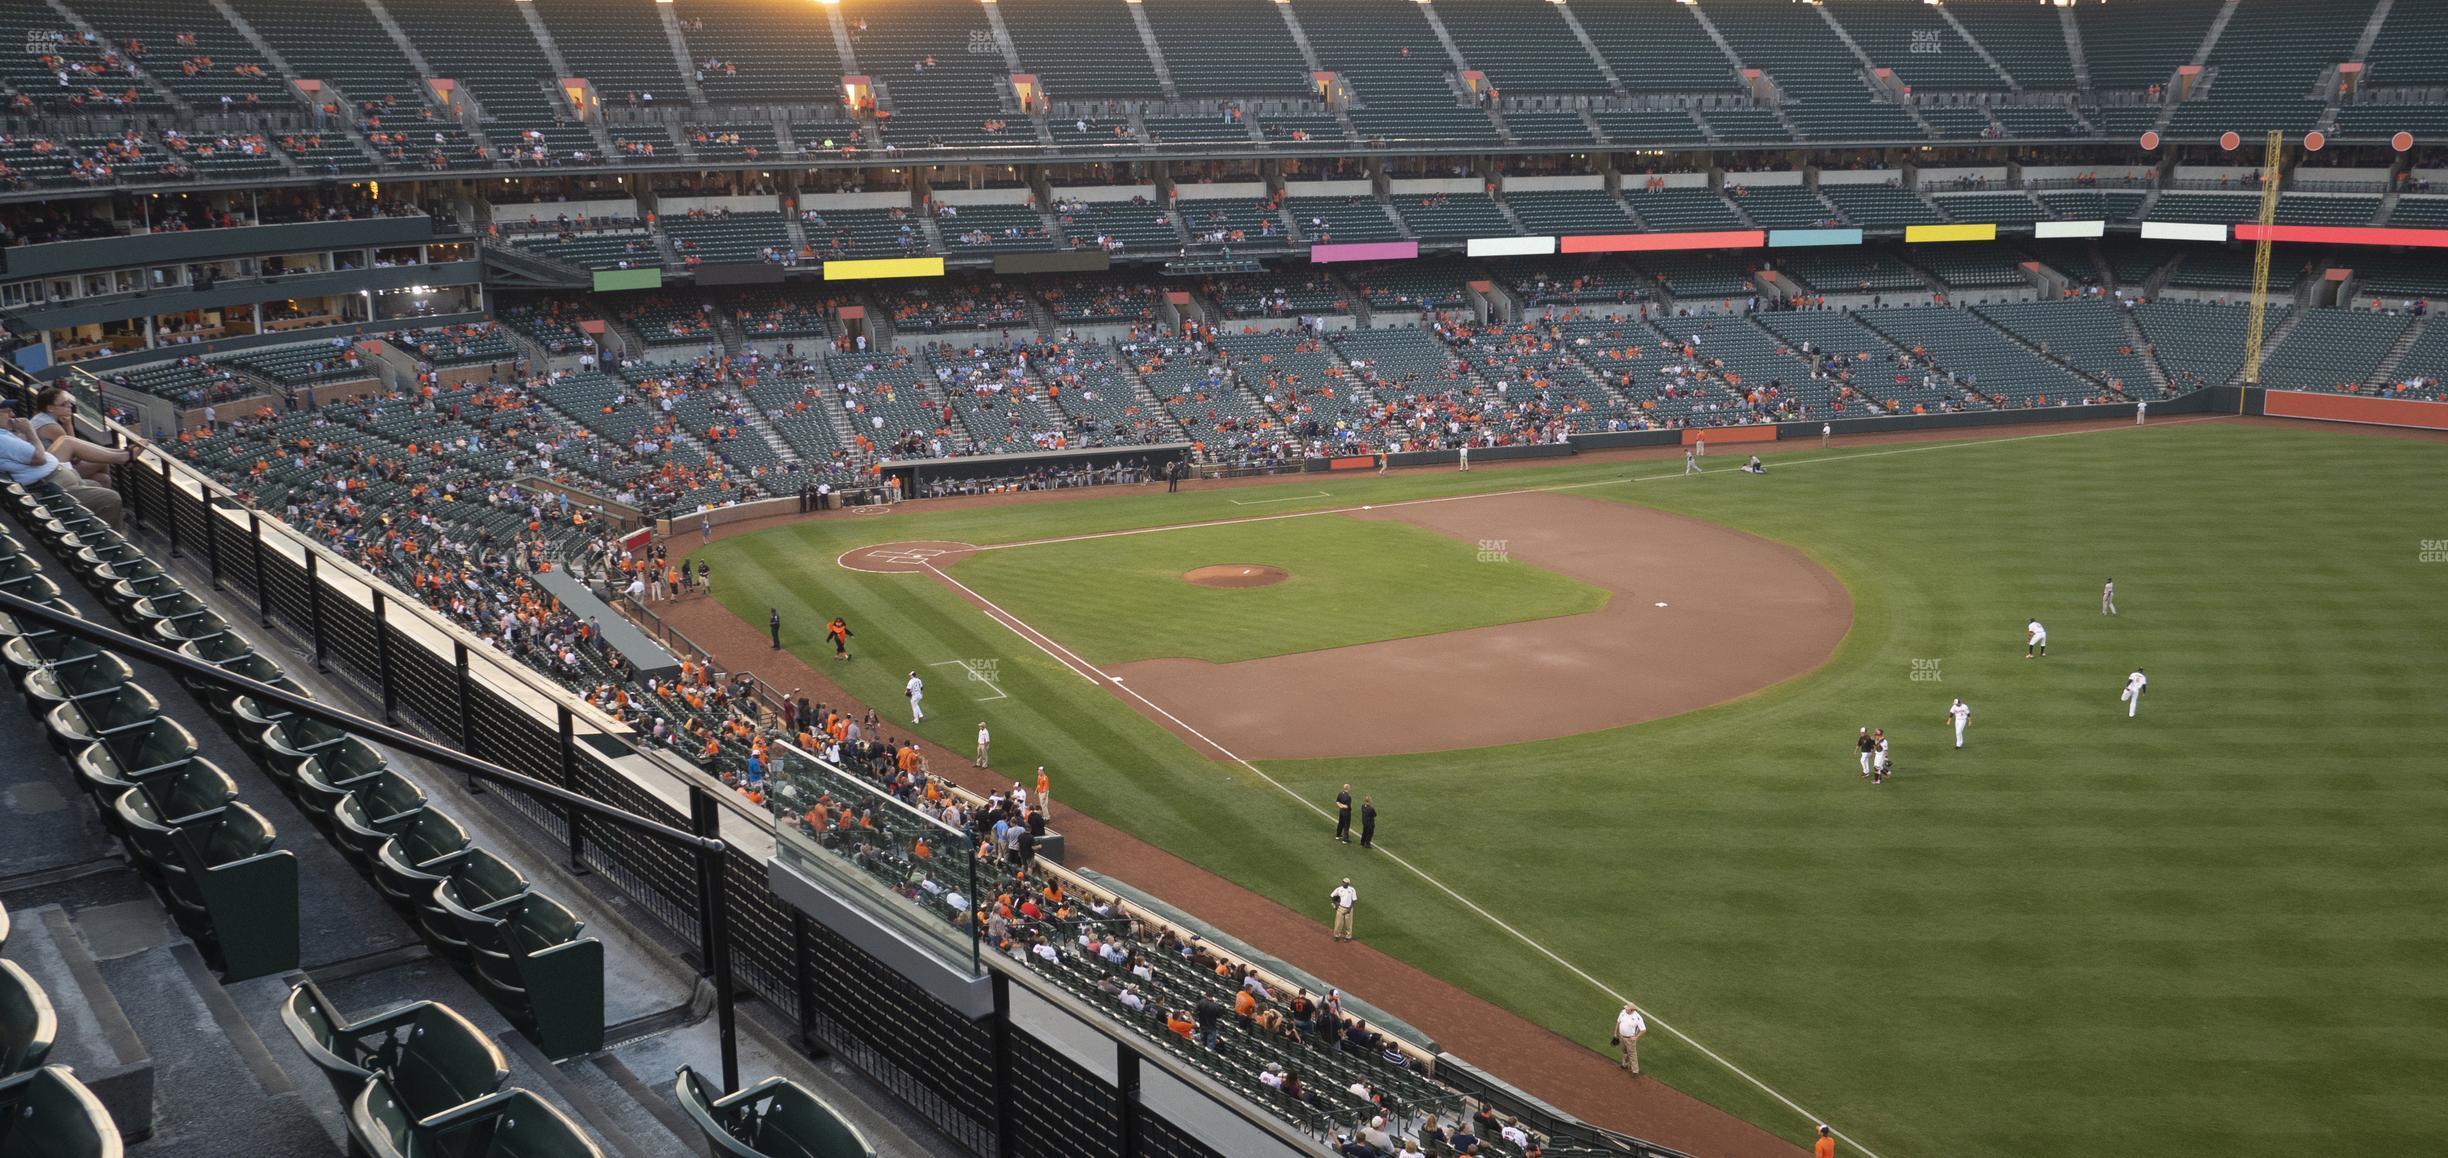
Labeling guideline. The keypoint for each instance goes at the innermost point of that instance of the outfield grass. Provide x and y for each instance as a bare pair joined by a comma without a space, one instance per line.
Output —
2213,930
1349,581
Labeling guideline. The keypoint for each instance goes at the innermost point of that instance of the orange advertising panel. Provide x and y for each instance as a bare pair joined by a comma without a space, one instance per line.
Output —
2350,408
1729,434
1353,462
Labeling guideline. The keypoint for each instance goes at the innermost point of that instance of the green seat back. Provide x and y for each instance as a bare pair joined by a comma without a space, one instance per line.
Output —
47,1113
28,1024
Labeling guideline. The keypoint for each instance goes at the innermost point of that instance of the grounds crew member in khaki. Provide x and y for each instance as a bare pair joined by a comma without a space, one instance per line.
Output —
1344,898
1629,1026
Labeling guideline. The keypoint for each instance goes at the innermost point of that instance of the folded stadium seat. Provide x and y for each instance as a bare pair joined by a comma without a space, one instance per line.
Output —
193,794
409,864
775,1118
28,1024
386,800
47,1113
4,926
533,962
478,882
434,1058
46,688
291,741
231,891
511,1123
74,725
117,762
221,701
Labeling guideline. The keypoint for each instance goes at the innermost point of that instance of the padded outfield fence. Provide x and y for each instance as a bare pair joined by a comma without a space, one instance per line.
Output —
1036,1070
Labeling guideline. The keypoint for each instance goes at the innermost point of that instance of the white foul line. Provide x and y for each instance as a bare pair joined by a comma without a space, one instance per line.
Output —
1088,671
1048,645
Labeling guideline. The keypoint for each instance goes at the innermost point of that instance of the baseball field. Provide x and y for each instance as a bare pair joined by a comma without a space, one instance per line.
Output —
1607,714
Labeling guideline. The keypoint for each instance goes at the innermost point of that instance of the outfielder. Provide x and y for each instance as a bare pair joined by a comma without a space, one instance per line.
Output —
1960,713
1866,746
2108,598
1884,768
915,689
2135,685
1691,461
2035,639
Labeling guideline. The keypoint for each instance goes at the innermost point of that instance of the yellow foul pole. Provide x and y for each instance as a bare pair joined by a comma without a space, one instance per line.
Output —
2261,266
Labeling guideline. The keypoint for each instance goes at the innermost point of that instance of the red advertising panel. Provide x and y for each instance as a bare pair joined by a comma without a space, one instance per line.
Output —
1653,242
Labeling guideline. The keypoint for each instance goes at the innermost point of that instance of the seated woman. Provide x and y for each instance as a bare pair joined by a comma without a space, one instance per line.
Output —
54,425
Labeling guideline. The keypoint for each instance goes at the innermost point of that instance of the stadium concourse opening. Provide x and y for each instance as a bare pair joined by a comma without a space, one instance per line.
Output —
1236,575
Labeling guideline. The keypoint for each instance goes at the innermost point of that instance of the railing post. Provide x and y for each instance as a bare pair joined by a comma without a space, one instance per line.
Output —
569,777
714,928
382,653
467,709
803,980
1126,1095
1005,1126
212,542
170,507
314,606
263,576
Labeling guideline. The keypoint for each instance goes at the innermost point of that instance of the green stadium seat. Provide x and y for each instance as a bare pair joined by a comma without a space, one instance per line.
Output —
509,1124
118,761
231,891
774,1118
386,799
477,883
533,963
435,1058
128,709
412,861
194,794
28,1024
47,1113
47,688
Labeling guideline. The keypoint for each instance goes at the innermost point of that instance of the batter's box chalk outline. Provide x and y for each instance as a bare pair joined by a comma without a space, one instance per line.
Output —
971,668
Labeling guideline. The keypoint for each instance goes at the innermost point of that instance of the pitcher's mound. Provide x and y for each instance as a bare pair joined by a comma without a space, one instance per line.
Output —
1236,575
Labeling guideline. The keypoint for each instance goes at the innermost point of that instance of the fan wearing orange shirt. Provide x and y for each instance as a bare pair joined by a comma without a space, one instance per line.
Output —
1825,1147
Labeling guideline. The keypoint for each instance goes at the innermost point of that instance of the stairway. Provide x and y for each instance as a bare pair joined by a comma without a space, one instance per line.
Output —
1591,46
2218,24
681,56
399,38
186,111
2074,48
1147,38
755,420
2386,371
2277,337
1983,53
2371,30
1300,37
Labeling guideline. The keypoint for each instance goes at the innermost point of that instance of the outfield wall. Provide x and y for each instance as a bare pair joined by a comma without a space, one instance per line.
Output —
2355,409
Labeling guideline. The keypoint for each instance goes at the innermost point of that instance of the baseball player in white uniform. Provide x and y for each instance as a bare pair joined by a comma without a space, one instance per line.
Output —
1960,713
1880,763
2108,598
1867,746
915,689
2035,639
2135,685
2141,411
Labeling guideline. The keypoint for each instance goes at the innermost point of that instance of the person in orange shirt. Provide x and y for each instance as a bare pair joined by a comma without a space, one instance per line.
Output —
1825,1147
